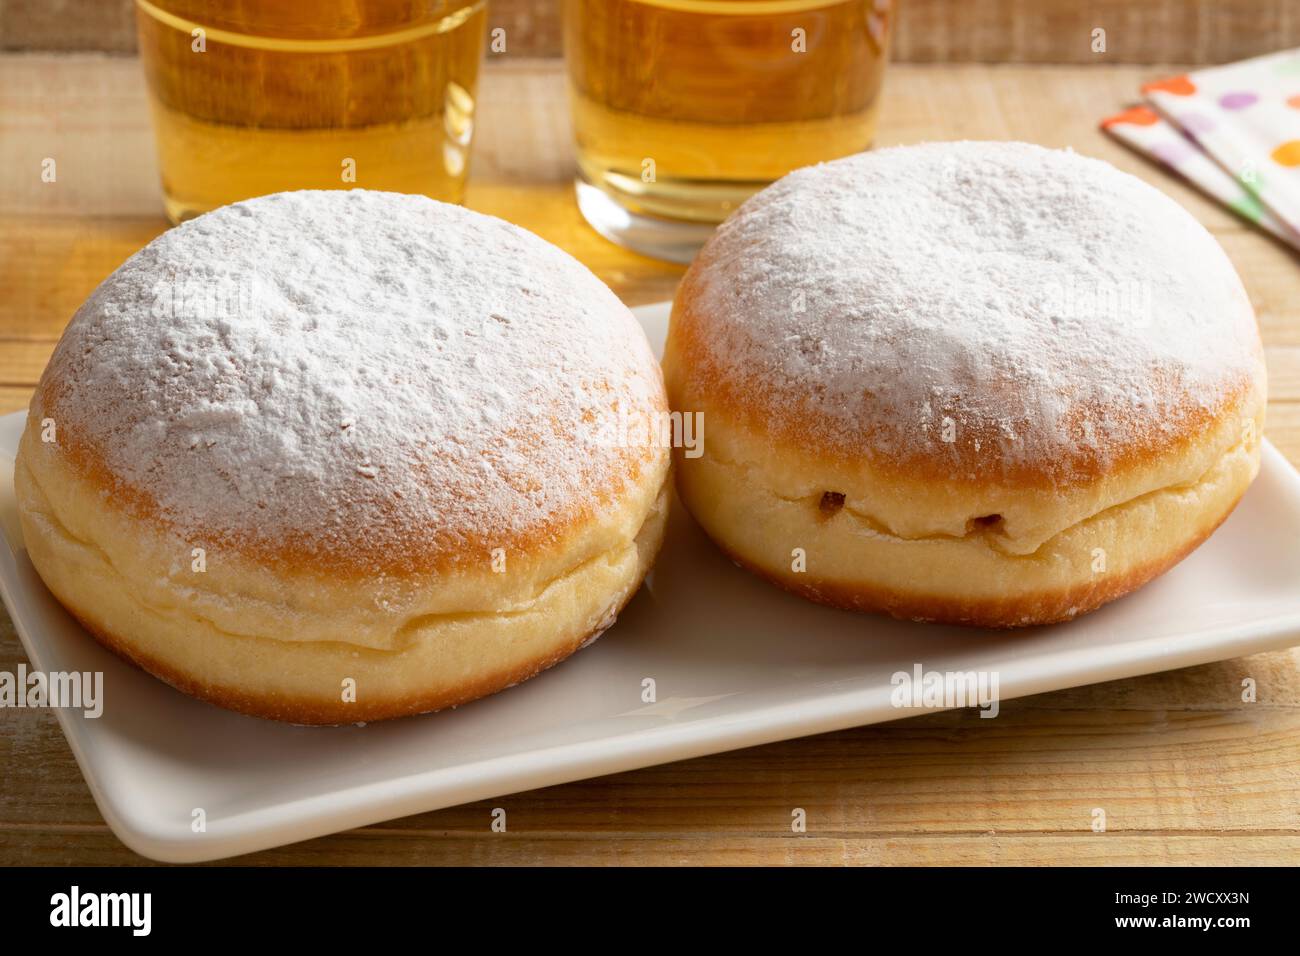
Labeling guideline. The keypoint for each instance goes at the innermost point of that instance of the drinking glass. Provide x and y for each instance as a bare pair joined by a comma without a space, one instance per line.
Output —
260,96
684,108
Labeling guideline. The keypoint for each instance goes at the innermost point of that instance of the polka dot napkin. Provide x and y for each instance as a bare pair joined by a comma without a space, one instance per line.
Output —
1233,131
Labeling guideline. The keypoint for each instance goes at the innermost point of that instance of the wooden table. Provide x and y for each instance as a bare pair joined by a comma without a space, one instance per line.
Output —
1186,772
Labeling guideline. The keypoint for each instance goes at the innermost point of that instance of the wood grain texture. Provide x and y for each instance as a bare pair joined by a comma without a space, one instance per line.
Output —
1185,770
927,31
1060,31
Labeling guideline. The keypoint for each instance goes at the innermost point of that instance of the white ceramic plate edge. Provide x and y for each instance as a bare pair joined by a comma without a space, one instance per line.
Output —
301,819
375,802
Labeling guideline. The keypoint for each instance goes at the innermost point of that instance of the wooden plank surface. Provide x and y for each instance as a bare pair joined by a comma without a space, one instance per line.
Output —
1185,770
926,31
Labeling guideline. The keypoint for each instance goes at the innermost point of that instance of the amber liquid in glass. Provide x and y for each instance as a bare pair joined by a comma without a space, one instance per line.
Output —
723,96
260,96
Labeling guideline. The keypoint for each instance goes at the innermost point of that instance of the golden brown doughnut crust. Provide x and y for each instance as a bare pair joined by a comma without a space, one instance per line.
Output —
232,646
377,485
827,365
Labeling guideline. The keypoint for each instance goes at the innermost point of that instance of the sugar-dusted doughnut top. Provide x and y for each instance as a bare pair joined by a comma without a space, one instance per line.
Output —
359,380
970,310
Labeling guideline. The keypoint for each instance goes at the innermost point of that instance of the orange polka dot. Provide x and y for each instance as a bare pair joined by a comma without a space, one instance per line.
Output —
1293,101
1137,115
1177,85
1288,154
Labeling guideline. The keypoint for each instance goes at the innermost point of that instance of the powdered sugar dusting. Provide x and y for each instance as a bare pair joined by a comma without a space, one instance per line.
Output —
364,377
999,304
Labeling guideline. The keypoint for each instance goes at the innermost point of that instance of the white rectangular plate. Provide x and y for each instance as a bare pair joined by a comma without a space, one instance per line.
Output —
735,662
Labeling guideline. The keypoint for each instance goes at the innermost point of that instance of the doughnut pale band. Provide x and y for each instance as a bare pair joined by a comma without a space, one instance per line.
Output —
280,644
970,553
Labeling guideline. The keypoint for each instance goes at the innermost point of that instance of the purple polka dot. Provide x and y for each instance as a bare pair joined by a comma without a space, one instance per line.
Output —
1195,124
1173,152
1237,101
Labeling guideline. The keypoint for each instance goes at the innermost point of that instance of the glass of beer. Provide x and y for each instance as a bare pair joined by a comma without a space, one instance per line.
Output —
261,96
684,108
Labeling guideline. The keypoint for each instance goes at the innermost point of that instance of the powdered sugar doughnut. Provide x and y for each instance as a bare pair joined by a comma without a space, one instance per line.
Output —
984,383
337,456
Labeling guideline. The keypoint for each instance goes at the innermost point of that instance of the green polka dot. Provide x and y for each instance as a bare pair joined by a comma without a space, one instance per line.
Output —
1290,66
1248,207
1252,185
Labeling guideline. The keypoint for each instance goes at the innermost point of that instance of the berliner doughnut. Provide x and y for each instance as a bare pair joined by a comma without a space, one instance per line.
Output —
334,457
976,383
